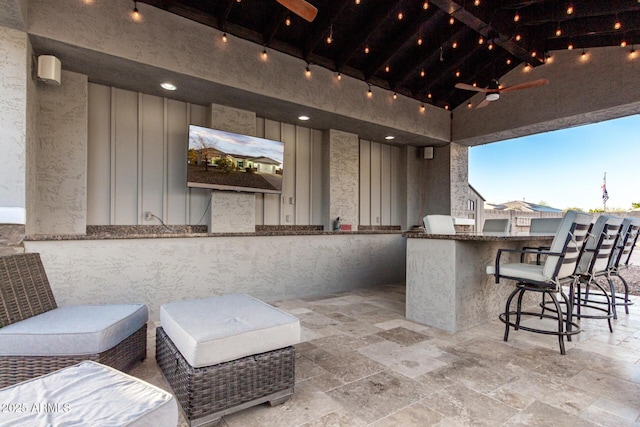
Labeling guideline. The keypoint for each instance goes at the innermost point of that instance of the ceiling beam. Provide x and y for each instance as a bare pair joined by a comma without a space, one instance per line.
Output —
223,14
383,11
273,25
557,11
488,30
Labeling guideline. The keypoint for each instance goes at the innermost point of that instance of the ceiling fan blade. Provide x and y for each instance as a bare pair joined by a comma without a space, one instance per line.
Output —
465,86
301,8
483,104
527,85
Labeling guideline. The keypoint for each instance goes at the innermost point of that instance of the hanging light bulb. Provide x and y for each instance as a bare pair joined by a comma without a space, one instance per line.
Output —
518,37
425,5
534,54
623,43
307,71
422,73
570,9
452,21
339,76
422,108
400,16
558,31
457,73
454,44
264,54
395,95
135,15
446,106
357,1
469,104
287,21
508,61
570,46
429,95
527,68
476,3
330,36
387,69
366,49
516,17
490,46
224,37
419,41
369,92
617,25
481,40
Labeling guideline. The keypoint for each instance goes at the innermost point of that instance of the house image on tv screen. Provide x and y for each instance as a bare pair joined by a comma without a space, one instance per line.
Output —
229,161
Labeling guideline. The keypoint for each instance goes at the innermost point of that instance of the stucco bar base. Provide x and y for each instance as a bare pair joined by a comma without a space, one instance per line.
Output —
447,286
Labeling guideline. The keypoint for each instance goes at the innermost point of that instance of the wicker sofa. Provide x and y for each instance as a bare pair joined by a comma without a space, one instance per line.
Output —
38,337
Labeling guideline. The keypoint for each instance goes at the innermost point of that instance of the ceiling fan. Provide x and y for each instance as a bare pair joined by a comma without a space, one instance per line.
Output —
494,90
301,8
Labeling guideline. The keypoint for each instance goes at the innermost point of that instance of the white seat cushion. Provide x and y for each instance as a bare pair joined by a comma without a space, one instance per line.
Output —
88,394
523,271
72,330
213,330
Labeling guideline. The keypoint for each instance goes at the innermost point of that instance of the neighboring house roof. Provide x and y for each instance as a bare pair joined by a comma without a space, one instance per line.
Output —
476,192
521,205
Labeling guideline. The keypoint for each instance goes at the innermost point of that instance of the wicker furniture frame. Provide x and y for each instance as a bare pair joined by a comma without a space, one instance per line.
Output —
208,393
25,292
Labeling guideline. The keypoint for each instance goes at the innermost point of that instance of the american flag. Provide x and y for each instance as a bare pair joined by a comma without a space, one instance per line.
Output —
605,194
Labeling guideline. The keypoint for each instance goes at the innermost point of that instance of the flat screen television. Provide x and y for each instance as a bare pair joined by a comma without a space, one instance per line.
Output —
229,161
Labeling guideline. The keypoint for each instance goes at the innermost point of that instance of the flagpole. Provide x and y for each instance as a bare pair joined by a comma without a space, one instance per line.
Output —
605,194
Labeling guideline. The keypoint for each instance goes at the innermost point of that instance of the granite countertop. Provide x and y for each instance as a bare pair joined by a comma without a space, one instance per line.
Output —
106,232
479,237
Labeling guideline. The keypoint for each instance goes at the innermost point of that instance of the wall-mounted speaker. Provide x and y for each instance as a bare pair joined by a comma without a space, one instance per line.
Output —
49,69
427,153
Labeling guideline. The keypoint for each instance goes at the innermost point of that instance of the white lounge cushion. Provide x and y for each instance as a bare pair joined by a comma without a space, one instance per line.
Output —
213,330
88,394
72,330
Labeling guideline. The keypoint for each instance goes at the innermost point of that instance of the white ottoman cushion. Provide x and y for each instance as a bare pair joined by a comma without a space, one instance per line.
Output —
88,394
213,330
72,330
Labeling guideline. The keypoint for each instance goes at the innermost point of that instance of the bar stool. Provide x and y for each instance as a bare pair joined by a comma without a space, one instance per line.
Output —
547,278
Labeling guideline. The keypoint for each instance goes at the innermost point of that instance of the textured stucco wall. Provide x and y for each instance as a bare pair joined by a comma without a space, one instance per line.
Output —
13,119
155,271
61,164
572,97
459,185
13,14
438,186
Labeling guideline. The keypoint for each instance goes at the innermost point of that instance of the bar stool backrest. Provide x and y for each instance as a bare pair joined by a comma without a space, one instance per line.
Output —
569,240
439,224
600,245
497,225
544,225
630,243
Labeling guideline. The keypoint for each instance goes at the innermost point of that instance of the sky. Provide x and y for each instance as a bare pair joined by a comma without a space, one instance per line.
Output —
564,168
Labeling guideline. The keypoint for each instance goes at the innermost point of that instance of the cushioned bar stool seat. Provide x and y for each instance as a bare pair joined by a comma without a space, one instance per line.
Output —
88,394
223,354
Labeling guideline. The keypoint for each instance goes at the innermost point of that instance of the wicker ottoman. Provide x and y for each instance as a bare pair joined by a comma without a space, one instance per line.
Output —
227,353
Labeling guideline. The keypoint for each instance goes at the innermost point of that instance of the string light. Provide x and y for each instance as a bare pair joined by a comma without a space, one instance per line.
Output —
452,20
330,36
395,95
400,16
518,37
339,76
570,46
527,68
617,25
224,37
490,46
422,73
633,54
476,3
366,49
534,54
369,92
454,45
469,104
425,5
508,61
457,73
287,21
481,40
357,1
429,95
422,108
623,43
516,17
264,54
307,71
135,15
387,69
446,106
558,31
570,9
419,41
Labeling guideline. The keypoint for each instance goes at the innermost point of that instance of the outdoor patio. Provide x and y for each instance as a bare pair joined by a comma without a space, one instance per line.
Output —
361,363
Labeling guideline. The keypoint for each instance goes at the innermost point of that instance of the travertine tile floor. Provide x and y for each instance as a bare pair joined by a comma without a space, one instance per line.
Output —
362,364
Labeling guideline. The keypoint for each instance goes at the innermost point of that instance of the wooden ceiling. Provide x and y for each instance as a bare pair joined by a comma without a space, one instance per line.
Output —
421,49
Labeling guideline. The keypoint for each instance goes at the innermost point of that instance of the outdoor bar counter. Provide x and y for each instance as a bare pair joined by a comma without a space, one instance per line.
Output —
447,284
157,264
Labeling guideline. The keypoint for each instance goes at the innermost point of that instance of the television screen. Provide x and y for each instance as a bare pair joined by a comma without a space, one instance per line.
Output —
230,161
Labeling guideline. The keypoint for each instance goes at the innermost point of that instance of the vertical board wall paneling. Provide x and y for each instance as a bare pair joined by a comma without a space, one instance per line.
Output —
272,202
288,136
376,152
365,182
99,155
152,165
303,176
385,185
126,157
396,185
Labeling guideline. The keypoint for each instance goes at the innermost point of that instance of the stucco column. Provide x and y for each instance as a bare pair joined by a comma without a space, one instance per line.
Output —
232,212
448,181
340,178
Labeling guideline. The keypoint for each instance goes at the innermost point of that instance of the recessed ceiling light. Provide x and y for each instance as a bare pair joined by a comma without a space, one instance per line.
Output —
389,137
303,118
168,86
